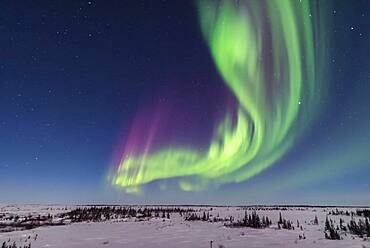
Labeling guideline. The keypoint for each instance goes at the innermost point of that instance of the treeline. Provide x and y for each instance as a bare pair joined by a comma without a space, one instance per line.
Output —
197,217
10,244
363,212
359,212
252,220
285,224
341,212
17,218
14,245
203,216
360,228
27,222
260,208
97,214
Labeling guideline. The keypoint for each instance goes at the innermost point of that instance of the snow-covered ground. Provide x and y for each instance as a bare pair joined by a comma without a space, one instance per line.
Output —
177,233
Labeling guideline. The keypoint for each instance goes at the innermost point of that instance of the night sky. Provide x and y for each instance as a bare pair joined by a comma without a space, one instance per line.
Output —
80,80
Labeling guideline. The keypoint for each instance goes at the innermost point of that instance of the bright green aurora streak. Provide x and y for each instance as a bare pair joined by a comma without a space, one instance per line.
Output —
267,54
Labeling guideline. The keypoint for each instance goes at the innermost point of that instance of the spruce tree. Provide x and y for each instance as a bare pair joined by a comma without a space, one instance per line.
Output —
245,220
327,224
204,218
280,218
316,221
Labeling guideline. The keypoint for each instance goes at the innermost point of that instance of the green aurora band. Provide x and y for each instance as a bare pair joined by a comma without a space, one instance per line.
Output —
267,54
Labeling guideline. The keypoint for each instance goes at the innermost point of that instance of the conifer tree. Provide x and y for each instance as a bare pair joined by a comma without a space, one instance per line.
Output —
316,221
280,218
204,218
327,224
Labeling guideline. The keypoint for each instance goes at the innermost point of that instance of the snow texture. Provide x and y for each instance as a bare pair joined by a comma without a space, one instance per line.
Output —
175,232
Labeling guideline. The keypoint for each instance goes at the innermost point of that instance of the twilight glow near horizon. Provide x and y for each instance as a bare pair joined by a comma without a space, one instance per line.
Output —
185,102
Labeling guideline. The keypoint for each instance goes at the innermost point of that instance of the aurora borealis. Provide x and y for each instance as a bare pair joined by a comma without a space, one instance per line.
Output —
185,102
265,53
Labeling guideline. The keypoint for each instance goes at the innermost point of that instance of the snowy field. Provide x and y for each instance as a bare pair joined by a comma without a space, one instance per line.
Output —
159,232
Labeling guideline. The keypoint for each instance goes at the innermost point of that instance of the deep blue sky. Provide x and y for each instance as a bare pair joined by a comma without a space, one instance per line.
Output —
73,74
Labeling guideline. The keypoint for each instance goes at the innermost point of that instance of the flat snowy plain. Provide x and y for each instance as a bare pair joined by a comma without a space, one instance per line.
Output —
177,233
